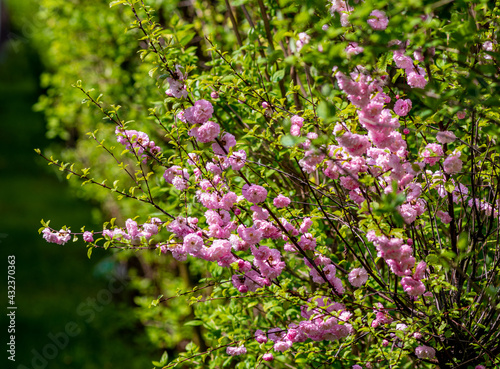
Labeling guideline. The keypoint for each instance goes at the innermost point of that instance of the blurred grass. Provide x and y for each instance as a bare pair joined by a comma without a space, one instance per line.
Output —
51,280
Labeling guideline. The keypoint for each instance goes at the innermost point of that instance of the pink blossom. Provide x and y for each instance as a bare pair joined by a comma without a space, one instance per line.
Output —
282,345
235,351
180,184
416,80
444,216
349,182
259,213
312,135
380,20
214,95
432,153
260,337
353,49
199,113
227,141
401,60
59,238
304,39
354,144
402,107
307,242
281,201
250,235
425,352
417,54
406,131
193,243
295,130
412,287
452,164
254,193
88,237
305,225
410,212
238,159
358,277
480,367
206,133
420,270
177,88
445,137
461,114
297,120
218,250
413,191
357,367
268,357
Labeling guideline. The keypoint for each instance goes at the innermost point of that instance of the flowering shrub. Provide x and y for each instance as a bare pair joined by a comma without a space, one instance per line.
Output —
333,174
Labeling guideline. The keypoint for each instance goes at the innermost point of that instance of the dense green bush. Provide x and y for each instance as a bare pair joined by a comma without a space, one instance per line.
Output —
378,121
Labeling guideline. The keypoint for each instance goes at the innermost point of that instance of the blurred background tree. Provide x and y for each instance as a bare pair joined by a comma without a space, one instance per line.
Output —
51,285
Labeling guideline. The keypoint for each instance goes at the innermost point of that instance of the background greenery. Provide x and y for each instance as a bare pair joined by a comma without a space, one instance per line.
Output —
51,282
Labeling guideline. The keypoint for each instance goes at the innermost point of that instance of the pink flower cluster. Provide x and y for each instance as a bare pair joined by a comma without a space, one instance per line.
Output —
59,238
399,257
415,75
138,142
379,21
177,88
297,124
235,351
425,352
133,233
327,321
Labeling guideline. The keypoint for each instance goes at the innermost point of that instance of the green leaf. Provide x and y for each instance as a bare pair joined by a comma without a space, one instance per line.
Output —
278,76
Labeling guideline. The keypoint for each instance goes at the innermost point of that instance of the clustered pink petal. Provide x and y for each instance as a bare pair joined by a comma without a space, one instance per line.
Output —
193,243
444,216
199,113
354,144
260,337
254,193
452,164
432,153
416,79
238,159
445,137
268,357
138,142
297,120
304,38
358,277
227,141
59,238
88,237
281,201
297,123
425,352
380,20
353,49
412,287
402,107
206,133
235,351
